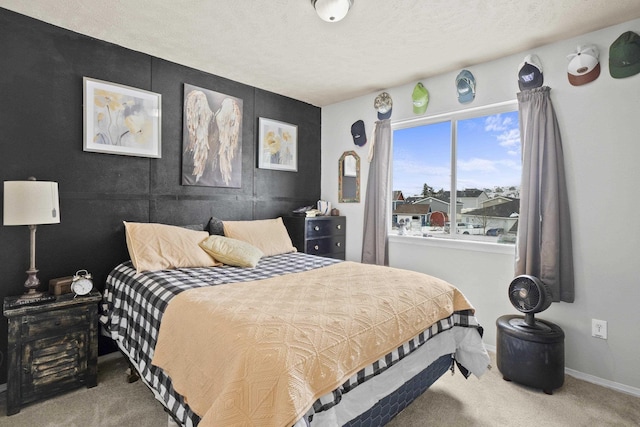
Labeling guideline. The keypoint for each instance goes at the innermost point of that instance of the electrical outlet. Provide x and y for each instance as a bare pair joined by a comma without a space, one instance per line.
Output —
599,328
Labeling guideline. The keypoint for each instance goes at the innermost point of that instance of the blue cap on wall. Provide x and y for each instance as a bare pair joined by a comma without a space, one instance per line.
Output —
466,85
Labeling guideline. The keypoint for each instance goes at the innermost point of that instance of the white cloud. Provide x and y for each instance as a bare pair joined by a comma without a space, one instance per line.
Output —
477,165
510,164
510,138
416,173
497,123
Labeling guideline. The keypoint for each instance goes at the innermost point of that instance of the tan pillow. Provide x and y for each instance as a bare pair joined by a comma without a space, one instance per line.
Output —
160,247
268,235
231,251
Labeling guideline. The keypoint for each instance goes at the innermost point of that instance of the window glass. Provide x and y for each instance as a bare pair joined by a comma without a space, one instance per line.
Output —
479,156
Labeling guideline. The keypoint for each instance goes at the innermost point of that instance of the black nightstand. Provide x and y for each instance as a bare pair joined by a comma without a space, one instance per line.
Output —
53,348
320,235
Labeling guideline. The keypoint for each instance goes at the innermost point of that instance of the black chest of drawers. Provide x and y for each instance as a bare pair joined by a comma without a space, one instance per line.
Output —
320,235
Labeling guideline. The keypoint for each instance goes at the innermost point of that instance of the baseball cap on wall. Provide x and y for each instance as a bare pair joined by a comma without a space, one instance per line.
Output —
358,133
584,66
383,104
530,73
420,98
466,85
624,55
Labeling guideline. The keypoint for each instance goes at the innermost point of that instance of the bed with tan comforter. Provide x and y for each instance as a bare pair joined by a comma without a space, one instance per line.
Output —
266,346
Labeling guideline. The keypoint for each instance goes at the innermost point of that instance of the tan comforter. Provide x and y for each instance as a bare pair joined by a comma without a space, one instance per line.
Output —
260,353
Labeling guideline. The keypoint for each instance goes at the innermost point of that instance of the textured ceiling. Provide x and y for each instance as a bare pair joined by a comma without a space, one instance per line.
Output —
284,47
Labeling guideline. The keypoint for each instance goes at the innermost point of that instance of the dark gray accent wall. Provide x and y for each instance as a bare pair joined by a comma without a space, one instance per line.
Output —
41,131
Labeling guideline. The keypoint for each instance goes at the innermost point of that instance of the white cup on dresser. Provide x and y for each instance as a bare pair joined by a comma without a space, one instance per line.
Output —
324,207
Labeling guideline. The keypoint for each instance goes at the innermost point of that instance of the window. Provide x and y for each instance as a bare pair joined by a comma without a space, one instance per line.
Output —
476,153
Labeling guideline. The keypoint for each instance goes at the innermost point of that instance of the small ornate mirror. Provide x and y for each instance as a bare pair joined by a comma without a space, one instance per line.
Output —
349,178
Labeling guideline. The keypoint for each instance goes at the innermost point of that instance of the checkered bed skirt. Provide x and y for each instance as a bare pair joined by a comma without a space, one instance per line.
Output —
133,305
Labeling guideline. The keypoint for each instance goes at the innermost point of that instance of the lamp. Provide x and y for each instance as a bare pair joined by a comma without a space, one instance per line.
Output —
332,10
31,203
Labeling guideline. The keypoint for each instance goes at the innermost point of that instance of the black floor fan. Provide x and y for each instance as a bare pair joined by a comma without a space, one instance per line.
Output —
530,351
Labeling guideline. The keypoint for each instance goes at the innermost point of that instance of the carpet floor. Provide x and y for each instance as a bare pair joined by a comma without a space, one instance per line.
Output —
451,401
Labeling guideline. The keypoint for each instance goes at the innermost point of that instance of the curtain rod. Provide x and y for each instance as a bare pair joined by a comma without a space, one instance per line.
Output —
468,111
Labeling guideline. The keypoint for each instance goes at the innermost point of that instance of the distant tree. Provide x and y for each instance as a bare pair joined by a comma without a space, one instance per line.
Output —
426,190
484,219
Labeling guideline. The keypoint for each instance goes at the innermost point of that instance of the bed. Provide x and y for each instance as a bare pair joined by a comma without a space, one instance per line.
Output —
156,317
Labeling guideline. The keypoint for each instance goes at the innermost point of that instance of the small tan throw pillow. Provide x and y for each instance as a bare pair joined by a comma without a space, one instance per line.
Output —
231,251
160,247
268,235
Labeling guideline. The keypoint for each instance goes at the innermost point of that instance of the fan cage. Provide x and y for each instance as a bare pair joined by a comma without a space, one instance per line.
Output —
528,294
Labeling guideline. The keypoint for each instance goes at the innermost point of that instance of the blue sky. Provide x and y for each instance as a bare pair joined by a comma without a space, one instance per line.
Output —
488,152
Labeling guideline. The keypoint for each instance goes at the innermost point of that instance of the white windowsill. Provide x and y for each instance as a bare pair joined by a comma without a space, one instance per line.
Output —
465,245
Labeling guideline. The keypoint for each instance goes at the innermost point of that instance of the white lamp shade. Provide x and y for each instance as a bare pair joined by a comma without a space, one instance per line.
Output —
332,10
31,203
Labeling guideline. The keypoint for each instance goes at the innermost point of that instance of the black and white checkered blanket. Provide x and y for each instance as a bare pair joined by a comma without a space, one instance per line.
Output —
133,305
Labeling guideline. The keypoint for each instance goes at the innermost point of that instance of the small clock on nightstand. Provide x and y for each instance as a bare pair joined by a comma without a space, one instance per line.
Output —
81,283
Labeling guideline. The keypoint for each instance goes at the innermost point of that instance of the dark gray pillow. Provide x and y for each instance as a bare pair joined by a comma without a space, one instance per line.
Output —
215,226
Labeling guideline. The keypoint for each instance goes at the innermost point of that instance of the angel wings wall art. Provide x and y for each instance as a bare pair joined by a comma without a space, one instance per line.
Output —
211,139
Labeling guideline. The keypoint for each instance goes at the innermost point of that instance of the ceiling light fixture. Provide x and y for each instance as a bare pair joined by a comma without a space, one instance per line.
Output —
332,10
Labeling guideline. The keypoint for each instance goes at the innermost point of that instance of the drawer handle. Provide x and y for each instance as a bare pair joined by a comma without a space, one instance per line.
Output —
25,369
338,244
339,226
316,227
316,247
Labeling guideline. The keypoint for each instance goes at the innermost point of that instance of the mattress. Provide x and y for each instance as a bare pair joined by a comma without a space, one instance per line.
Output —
133,306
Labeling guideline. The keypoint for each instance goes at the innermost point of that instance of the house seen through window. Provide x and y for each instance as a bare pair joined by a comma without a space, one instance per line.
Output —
478,155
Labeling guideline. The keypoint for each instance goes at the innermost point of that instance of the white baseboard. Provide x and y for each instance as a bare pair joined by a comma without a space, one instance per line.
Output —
634,391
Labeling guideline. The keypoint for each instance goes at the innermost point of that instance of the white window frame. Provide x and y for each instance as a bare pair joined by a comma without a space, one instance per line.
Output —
452,240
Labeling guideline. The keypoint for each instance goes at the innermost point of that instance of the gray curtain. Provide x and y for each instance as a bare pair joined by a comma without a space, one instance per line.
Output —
543,247
374,241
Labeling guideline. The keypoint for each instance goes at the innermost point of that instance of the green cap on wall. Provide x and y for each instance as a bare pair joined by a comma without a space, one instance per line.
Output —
624,56
420,98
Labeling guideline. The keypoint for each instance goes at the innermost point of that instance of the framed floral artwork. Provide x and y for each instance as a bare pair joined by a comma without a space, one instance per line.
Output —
277,145
120,119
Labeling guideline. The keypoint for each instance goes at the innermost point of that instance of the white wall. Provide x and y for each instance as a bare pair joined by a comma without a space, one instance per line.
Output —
600,125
